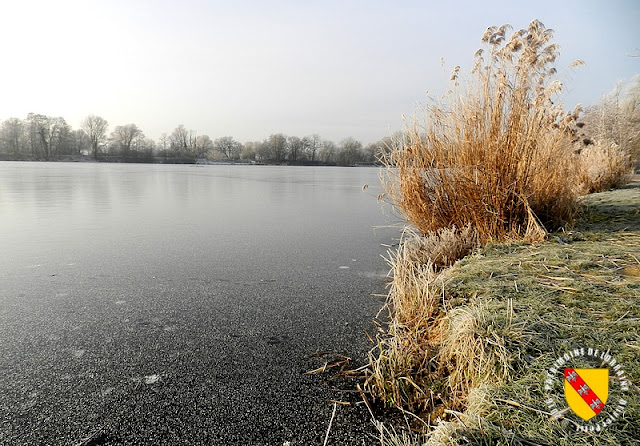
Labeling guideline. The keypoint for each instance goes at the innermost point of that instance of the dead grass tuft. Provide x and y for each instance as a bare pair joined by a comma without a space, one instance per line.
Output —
475,349
403,366
604,166
441,249
492,161
496,155
470,337
507,311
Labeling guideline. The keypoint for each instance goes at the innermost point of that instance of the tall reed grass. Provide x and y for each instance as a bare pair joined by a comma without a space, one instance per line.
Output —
496,153
435,352
494,160
403,369
604,166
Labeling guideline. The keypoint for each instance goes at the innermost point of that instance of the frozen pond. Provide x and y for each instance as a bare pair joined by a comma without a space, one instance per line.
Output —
177,304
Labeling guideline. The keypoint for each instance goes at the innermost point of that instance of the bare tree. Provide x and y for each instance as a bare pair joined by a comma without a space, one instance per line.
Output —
296,147
204,145
327,153
60,137
380,149
312,145
38,134
12,136
81,142
143,148
192,146
349,152
31,132
123,137
163,143
228,146
277,145
250,149
372,151
264,151
143,144
96,129
179,141
616,119
47,135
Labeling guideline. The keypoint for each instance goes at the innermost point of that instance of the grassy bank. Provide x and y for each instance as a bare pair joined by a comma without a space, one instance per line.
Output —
470,357
485,297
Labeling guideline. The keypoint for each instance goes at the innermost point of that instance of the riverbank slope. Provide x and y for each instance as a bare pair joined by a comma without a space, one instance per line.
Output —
509,311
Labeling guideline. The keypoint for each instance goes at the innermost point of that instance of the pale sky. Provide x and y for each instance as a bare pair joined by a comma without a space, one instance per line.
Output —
251,68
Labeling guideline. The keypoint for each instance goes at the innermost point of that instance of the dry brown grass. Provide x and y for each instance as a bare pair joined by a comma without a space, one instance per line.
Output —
496,155
472,365
399,365
604,166
442,249
403,368
476,348
498,161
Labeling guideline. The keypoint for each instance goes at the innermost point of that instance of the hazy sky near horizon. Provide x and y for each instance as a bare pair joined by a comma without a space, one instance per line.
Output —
251,68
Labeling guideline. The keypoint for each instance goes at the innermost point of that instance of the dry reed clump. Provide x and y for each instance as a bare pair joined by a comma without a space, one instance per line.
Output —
436,351
400,365
442,248
497,156
476,348
441,435
496,160
403,367
604,166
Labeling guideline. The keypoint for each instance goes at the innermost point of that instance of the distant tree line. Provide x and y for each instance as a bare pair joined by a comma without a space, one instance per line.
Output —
41,137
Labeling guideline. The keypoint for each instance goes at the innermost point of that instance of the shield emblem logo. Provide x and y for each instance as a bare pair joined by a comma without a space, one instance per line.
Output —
586,391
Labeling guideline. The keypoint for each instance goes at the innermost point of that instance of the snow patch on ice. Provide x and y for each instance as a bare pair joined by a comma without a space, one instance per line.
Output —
151,379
